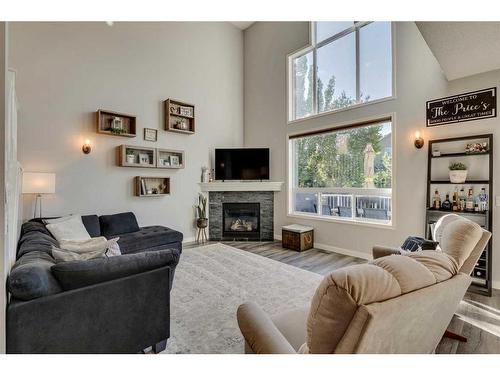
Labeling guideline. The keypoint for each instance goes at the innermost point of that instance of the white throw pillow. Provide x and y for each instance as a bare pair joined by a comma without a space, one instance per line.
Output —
70,229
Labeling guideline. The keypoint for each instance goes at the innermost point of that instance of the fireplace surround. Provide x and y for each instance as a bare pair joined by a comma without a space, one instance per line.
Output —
249,213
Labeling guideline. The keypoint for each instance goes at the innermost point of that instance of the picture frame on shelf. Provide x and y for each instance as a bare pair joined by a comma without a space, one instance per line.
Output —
150,135
174,160
144,159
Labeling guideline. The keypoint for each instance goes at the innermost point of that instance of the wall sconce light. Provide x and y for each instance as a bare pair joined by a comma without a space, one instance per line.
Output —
86,147
419,141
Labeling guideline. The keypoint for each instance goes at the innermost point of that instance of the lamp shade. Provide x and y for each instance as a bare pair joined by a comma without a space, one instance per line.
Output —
39,183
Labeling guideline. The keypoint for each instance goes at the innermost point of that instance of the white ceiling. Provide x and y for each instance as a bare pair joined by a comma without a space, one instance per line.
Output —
242,25
463,48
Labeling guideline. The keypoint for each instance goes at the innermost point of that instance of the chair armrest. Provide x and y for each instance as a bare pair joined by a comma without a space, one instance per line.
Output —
383,251
259,331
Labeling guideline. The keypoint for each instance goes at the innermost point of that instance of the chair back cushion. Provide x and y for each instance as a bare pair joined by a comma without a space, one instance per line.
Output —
340,294
457,236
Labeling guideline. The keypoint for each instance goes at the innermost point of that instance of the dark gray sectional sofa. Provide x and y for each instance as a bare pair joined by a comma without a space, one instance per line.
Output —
104,305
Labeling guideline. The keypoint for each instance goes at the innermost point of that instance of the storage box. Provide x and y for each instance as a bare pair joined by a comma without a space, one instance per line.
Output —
297,237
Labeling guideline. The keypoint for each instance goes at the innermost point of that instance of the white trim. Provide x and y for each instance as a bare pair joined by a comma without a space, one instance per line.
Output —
188,240
241,186
337,250
367,223
333,111
495,284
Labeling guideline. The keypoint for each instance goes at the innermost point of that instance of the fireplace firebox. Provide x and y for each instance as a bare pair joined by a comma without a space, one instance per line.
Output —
241,221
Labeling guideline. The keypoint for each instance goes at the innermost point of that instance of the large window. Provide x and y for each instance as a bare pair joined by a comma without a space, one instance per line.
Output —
348,63
343,174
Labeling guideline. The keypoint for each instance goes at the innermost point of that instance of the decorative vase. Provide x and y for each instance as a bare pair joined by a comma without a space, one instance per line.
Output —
458,176
202,222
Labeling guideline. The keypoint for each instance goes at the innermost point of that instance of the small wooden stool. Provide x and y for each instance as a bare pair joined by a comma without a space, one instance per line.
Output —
297,237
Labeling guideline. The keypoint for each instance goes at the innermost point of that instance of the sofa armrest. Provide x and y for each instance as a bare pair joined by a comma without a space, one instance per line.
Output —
78,274
259,331
383,251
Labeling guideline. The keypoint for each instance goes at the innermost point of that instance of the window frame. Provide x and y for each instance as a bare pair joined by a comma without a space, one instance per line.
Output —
353,192
313,47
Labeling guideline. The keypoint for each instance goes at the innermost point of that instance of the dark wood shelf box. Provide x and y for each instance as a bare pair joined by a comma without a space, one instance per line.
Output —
483,175
136,156
105,123
179,117
297,237
166,159
152,186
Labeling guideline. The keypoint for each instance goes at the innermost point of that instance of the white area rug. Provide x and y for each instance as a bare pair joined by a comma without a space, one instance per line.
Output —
212,281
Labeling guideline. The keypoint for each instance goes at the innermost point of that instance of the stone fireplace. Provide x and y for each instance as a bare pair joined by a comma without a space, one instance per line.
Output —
244,215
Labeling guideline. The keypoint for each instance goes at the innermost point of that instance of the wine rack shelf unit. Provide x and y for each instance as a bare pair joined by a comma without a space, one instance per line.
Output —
480,167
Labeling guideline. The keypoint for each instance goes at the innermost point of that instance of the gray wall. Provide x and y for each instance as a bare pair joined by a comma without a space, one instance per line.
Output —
66,71
418,78
4,261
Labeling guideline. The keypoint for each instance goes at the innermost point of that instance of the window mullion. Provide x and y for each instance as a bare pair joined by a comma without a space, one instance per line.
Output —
315,78
358,93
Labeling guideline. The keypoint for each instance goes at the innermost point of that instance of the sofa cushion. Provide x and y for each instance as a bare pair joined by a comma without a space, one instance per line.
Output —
77,274
147,238
118,224
34,240
92,225
31,277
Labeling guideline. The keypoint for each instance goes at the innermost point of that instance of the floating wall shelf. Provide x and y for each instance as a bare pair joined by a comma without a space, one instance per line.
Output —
127,124
179,117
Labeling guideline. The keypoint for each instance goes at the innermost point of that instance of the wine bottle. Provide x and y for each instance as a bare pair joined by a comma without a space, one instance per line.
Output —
455,200
446,205
469,204
436,203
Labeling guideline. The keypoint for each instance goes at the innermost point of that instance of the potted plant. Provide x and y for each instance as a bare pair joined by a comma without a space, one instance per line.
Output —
458,173
201,208
130,157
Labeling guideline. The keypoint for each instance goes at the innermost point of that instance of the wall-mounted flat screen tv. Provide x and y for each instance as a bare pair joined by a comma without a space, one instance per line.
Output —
242,164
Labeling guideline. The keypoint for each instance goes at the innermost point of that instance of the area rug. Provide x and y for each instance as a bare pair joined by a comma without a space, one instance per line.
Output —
212,281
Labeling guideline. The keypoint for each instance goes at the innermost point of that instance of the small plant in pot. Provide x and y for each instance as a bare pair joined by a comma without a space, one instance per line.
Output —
458,173
201,208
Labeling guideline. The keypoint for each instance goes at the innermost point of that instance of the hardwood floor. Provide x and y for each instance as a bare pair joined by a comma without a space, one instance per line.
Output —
477,318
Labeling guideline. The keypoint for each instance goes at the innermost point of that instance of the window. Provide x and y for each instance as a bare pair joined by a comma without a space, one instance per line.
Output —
344,174
349,63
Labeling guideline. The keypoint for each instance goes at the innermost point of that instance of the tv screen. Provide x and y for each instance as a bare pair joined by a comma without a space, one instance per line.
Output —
242,164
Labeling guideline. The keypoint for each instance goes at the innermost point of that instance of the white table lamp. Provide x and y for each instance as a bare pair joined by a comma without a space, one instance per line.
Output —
39,183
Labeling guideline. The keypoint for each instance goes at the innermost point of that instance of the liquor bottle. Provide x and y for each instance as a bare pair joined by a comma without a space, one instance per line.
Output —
483,200
436,202
454,205
446,205
469,204
461,199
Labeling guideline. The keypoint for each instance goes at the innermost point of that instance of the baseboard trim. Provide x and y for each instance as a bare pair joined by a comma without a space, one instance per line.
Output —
335,249
495,284
188,240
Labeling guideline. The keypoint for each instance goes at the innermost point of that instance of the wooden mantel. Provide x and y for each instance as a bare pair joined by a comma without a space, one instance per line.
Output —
241,186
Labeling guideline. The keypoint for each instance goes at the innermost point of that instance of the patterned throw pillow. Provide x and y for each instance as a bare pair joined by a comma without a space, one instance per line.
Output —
413,243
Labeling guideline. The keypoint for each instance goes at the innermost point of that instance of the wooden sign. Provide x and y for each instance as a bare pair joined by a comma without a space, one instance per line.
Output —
460,108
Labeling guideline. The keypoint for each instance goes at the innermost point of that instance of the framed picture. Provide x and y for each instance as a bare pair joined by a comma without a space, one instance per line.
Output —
174,160
143,159
150,135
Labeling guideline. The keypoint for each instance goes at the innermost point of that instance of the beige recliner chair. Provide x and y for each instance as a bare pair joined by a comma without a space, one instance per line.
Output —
394,304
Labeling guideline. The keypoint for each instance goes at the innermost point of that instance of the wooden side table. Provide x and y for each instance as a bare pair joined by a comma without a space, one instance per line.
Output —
297,237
